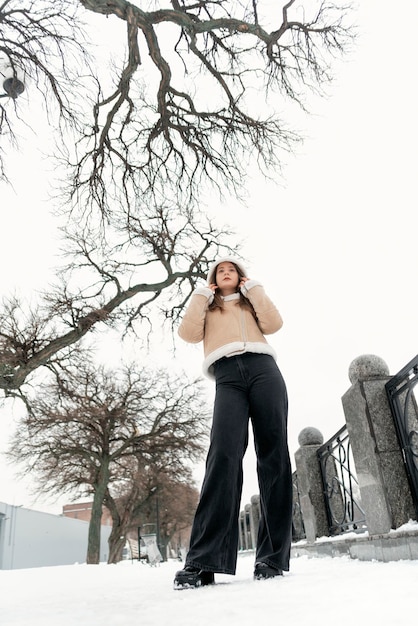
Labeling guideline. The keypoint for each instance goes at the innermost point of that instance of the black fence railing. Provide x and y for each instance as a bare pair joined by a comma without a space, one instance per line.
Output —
341,491
401,392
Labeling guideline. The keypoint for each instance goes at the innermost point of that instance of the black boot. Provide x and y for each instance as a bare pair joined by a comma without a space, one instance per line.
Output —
263,571
190,577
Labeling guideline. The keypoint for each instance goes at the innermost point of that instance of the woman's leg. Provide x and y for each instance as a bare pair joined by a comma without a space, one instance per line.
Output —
268,410
214,538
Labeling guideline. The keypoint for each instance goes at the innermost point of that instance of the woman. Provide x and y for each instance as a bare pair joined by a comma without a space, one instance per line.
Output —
231,315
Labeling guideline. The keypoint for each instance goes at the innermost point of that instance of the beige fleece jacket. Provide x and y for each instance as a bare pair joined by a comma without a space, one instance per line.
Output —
233,330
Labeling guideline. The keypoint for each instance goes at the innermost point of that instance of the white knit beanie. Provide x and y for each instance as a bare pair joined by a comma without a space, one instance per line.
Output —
225,259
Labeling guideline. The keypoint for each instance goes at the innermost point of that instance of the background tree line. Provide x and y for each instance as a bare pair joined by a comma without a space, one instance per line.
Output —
115,436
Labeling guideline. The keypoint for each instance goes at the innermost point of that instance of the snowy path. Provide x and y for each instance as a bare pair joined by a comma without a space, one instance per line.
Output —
339,590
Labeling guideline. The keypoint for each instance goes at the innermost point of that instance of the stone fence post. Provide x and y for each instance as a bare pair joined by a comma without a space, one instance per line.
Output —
254,518
311,491
249,520
383,483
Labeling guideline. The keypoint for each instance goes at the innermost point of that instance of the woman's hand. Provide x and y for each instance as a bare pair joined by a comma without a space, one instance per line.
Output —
213,287
243,281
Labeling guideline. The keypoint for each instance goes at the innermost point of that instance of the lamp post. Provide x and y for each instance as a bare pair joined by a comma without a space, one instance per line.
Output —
157,515
154,491
139,543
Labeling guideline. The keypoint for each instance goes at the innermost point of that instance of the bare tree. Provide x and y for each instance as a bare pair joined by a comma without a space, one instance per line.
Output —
198,89
188,102
162,496
90,428
145,274
176,505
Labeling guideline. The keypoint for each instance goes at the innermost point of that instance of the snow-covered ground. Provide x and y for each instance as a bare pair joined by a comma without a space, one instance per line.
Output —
317,590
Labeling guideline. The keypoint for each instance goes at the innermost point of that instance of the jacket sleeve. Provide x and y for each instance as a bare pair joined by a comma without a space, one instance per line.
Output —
192,326
268,317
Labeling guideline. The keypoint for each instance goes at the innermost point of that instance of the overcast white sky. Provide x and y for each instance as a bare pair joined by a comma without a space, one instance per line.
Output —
334,242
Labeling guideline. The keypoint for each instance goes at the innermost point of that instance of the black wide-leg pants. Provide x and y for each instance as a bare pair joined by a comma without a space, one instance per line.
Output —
248,386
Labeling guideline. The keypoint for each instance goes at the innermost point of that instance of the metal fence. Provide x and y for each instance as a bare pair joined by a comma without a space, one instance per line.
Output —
401,392
341,490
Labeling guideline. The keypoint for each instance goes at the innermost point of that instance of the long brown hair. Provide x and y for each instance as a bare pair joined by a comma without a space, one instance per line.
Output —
218,303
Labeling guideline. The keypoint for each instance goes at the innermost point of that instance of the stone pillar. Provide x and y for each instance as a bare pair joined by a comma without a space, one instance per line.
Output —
241,531
254,519
247,527
298,528
385,494
310,486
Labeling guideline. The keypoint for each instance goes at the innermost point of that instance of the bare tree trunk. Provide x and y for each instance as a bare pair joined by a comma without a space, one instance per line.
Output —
93,547
117,542
120,525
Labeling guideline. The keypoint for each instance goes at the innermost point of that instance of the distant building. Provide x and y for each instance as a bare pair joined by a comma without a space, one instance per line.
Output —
82,511
34,539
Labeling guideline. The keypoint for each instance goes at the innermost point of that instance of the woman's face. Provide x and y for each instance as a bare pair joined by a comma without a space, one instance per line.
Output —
227,278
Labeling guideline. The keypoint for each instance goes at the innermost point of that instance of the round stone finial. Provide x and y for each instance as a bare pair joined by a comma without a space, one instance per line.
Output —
255,499
310,436
367,366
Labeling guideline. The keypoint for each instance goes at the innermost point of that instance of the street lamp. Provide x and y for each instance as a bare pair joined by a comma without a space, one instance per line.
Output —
13,87
11,79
